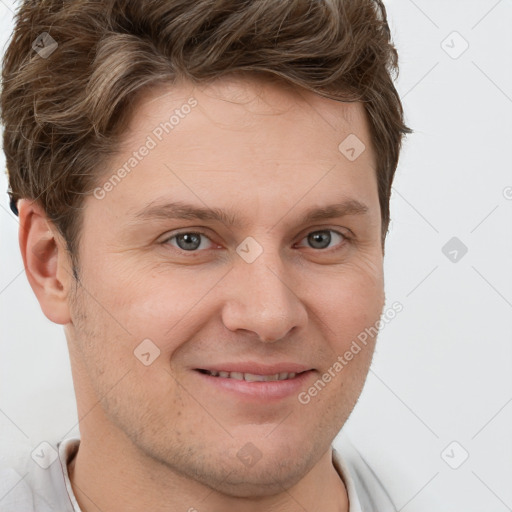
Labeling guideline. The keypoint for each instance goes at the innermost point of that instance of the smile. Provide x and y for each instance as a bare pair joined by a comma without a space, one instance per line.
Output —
250,377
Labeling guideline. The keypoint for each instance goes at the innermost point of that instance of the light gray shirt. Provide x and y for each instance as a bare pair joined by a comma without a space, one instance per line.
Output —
38,481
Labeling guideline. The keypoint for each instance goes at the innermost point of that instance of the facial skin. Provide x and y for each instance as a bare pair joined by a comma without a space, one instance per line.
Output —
163,437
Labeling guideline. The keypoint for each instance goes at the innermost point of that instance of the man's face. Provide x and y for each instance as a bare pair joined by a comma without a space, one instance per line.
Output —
260,292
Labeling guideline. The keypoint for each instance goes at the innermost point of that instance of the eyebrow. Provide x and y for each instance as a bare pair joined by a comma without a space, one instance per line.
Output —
157,210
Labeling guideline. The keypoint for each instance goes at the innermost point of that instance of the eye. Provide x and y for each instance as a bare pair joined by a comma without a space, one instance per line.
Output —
321,239
192,241
187,240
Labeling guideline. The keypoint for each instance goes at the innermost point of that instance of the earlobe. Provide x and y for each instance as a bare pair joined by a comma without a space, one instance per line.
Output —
46,261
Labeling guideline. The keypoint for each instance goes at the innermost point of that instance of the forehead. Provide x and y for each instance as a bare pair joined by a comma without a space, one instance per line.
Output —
234,105
252,142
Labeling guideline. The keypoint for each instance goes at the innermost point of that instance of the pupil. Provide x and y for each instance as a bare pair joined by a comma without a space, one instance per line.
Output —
189,238
318,238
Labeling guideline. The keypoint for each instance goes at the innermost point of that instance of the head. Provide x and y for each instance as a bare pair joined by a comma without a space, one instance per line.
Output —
257,114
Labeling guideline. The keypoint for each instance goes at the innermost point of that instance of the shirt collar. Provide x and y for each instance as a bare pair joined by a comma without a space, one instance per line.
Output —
68,448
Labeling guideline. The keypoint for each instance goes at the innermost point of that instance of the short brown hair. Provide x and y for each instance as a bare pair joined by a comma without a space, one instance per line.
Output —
64,113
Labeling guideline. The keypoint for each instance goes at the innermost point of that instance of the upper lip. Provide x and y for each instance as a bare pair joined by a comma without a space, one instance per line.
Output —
256,368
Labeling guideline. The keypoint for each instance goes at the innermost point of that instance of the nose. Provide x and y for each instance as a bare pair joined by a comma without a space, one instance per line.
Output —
261,298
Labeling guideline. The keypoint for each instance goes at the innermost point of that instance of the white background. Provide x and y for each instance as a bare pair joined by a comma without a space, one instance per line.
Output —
443,367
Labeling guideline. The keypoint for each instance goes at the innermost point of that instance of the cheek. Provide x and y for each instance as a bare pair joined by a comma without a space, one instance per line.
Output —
350,301
169,304
352,312
165,305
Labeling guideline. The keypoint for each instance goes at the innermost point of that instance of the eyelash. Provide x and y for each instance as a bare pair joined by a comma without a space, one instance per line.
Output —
342,244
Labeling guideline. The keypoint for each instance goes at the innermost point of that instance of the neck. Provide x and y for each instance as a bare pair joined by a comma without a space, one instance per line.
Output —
110,479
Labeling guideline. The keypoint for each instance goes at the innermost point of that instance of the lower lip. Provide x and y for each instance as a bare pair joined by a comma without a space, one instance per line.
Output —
269,390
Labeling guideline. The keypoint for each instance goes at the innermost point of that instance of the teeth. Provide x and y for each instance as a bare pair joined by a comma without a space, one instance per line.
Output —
260,378
251,377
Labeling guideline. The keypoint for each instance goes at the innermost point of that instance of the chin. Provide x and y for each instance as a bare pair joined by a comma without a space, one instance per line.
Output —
270,476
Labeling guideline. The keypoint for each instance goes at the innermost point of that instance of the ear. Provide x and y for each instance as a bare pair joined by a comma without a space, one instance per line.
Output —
46,260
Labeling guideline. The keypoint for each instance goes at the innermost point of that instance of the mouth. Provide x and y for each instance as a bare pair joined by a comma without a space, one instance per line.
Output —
251,377
262,385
